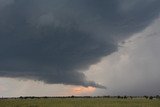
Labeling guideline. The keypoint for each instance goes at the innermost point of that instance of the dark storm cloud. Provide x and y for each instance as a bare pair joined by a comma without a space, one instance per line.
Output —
55,40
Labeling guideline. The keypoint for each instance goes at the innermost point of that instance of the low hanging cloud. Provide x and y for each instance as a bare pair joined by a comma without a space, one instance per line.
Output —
56,40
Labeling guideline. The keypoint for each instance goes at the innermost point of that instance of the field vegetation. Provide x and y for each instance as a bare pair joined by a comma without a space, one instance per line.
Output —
80,102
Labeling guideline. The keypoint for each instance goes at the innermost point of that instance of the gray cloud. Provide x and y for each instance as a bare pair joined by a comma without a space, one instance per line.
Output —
134,69
4,3
55,40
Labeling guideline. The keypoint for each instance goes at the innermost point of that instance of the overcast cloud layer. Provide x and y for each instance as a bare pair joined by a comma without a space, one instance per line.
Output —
55,40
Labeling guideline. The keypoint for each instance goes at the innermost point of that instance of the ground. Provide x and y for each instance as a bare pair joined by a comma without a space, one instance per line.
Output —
80,102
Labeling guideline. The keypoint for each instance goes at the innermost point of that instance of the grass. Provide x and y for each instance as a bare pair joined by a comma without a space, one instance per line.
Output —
79,102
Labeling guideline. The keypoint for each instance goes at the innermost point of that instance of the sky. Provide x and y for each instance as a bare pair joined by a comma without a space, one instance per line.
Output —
79,47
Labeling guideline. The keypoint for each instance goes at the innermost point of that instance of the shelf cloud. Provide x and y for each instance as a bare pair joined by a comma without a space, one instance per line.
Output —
55,41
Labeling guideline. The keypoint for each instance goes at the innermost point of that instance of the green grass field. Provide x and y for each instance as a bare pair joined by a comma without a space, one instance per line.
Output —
79,102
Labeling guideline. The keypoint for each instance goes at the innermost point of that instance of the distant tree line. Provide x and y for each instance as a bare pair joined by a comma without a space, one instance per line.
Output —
118,97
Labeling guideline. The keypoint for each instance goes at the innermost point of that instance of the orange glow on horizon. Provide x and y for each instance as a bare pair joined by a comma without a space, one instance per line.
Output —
83,90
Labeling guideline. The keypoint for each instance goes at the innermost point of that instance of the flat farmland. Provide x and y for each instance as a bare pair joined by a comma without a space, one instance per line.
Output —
80,102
